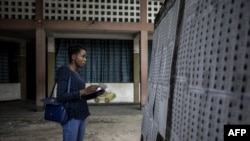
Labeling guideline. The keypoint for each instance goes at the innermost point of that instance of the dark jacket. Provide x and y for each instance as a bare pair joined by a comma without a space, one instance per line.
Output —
76,106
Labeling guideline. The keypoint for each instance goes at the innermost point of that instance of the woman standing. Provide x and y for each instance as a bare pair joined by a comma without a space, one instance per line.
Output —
76,104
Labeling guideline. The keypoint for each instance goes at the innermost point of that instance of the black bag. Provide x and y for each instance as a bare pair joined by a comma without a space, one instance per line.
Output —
54,110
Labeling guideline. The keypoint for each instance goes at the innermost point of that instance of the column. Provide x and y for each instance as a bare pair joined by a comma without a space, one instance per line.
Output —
51,64
136,70
22,71
40,67
144,66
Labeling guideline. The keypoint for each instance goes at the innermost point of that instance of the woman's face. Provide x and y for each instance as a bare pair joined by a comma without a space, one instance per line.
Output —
81,58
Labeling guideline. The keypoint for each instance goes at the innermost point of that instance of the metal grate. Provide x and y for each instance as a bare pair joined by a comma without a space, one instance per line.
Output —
17,9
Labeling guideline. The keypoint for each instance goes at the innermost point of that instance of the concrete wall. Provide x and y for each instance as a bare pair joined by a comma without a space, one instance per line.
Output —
10,91
124,92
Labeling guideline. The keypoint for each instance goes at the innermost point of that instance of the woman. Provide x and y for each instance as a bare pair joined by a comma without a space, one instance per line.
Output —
76,103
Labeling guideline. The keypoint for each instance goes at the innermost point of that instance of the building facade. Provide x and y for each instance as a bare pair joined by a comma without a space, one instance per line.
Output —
35,33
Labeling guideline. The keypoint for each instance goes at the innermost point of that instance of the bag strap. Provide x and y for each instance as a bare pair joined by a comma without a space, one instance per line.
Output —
69,82
68,88
51,93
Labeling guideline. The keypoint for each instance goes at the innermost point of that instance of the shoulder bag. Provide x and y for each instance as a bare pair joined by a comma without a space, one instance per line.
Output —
54,110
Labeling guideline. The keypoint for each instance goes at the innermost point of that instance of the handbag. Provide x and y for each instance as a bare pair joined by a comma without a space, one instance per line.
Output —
54,110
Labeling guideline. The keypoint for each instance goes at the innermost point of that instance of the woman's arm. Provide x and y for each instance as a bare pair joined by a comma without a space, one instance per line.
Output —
63,95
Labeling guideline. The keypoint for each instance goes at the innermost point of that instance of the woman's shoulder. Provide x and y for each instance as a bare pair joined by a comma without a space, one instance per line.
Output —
64,67
63,70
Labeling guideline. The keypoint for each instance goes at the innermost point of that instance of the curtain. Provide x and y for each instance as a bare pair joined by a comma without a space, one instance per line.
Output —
4,67
107,60
9,53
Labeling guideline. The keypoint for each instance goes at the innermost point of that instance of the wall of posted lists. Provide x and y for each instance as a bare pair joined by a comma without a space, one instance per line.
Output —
199,77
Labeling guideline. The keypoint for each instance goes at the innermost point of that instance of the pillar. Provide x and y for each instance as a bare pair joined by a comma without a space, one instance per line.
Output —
144,66
40,67
51,64
22,70
136,70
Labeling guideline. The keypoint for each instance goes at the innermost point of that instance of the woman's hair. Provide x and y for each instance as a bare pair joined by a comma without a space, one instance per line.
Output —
74,49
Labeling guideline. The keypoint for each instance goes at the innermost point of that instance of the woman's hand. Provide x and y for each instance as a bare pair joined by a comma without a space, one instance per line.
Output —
88,90
102,91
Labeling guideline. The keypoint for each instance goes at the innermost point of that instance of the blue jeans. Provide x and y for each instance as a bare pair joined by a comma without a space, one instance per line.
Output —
74,130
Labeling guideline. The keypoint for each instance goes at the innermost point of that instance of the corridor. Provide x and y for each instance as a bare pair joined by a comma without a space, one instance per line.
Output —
19,122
